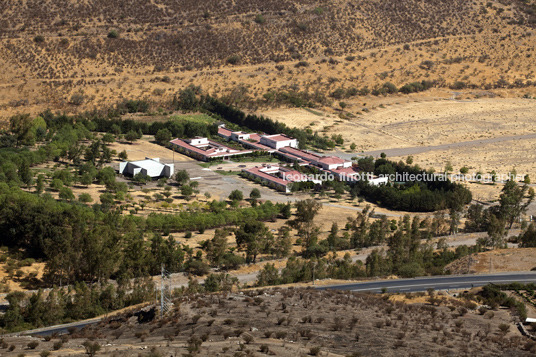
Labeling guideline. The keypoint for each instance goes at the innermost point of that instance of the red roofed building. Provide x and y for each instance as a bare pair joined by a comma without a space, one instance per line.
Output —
277,177
333,162
278,141
224,132
205,150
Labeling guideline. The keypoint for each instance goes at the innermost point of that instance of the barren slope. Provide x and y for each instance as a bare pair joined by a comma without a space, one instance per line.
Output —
50,50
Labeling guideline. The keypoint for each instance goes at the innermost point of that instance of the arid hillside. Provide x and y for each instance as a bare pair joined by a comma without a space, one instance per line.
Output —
72,55
296,322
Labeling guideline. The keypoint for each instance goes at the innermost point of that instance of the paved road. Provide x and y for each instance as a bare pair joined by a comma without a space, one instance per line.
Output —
59,329
437,283
397,285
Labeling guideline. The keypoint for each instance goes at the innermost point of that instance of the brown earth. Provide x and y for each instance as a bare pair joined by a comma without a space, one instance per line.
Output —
58,55
297,322
500,260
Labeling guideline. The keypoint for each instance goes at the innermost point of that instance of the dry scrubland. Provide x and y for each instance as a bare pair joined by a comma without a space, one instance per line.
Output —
298,322
59,55
442,125
500,260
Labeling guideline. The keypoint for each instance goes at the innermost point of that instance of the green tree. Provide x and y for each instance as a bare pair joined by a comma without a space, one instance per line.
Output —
256,238
115,129
25,174
333,237
141,178
187,99
187,191
131,136
376,264
40,184
107,201
528,238
108,138
106,176
66,194
217,247
86,179
21,127
56,184
163,136
182,177
255,194
269,275
236,195
496,233
283,243
85,197
511,201
123,156
306,211
13,317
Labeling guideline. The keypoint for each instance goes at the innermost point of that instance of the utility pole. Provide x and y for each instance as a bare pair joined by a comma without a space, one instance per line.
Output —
165,292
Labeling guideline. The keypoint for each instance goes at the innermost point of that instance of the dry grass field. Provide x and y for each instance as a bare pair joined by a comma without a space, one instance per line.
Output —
483,134
500,260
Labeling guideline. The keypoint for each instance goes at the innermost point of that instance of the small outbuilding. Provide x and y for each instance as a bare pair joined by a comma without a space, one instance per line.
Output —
150,167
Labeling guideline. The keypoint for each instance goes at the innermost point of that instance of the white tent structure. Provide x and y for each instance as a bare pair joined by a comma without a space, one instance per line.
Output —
150,167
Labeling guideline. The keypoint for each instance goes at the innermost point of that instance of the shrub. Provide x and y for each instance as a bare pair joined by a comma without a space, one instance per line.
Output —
247,338
91,348
39,39
195,318
280,335
314,351
301,64
260,19
32,345
234,59
113,34
458,85
194,343
77,99
504,328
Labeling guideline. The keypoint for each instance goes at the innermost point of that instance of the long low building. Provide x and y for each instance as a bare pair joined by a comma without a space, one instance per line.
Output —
149,167
324,162
353,174
204,149
277,177
268,143
287,149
